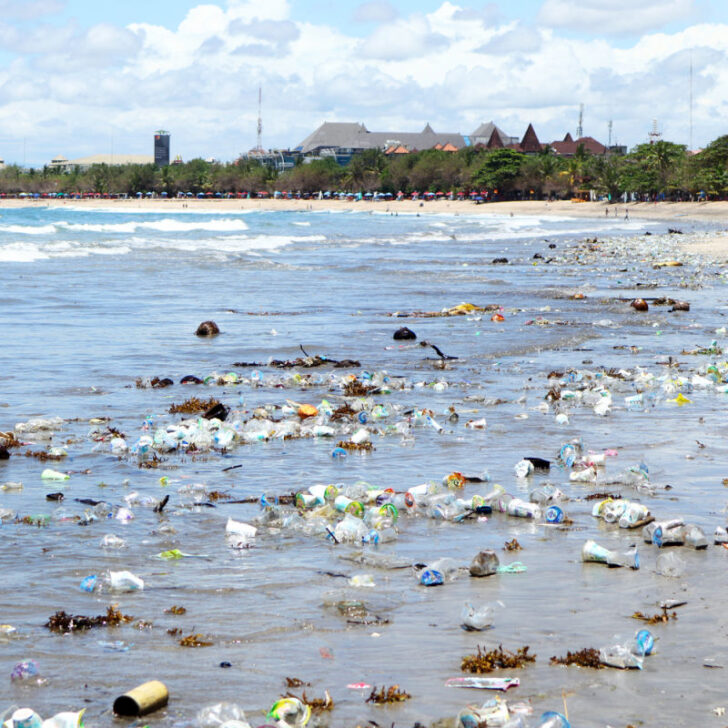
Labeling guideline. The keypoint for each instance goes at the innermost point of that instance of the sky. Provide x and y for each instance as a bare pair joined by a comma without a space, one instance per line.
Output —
80,77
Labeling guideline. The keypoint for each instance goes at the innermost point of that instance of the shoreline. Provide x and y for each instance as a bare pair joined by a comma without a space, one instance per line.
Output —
695,211
712,246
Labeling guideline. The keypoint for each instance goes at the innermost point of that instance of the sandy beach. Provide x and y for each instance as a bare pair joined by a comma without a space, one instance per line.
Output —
713,245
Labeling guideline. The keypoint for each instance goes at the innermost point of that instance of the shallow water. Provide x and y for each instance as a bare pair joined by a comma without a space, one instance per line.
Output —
92,301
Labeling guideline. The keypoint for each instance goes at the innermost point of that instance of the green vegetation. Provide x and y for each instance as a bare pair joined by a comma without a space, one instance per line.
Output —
662,169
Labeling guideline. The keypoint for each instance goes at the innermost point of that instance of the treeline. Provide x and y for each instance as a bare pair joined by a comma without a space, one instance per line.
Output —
662,170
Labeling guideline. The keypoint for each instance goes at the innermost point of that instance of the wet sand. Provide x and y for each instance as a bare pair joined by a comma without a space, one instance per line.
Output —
669,211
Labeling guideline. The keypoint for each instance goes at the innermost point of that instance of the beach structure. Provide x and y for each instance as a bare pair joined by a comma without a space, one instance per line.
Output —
161,148
568,146
61,164
342,140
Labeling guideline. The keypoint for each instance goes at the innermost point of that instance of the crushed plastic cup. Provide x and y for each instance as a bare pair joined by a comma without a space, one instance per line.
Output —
290,713
24,718
221,714
50,474
670,564
431,577
554,514
621,657
66,719
111,541
476,619
88,583
25,670
362,580
125,581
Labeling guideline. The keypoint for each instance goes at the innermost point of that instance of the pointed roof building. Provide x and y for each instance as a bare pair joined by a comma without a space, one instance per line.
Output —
530,143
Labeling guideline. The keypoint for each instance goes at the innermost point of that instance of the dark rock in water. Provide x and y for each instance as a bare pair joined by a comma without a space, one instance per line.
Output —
158,383
673,231
537,256
552,245
190,379
404,334
539,463
4,454
680,306
207,328
499,261
639,304
54,496
219,411
345,363
485,563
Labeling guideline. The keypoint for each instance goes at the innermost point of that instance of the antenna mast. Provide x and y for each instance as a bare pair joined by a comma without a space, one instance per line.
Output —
654,135
609,126
580,128
690,146
259,146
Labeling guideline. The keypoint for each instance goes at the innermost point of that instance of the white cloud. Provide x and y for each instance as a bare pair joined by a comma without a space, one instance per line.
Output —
29,9
68,87
614,16
402,40
519,39
375,11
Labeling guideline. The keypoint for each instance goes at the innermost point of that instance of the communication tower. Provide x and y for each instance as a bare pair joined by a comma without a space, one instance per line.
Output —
580,127
259,145
655,135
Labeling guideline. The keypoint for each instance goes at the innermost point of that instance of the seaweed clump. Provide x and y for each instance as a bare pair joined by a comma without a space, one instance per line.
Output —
65,623
487,661
355,446
391,694
355,388
176,610
316,704
662,618
512,545
294,682
194,640
588,657
193,405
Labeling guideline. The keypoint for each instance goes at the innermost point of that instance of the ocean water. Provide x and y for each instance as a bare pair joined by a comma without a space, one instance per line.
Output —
93,301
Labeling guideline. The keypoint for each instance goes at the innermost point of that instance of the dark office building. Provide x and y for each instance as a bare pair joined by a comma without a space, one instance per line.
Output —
161,148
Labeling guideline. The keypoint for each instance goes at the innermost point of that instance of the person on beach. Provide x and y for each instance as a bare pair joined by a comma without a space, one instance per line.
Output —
626,213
